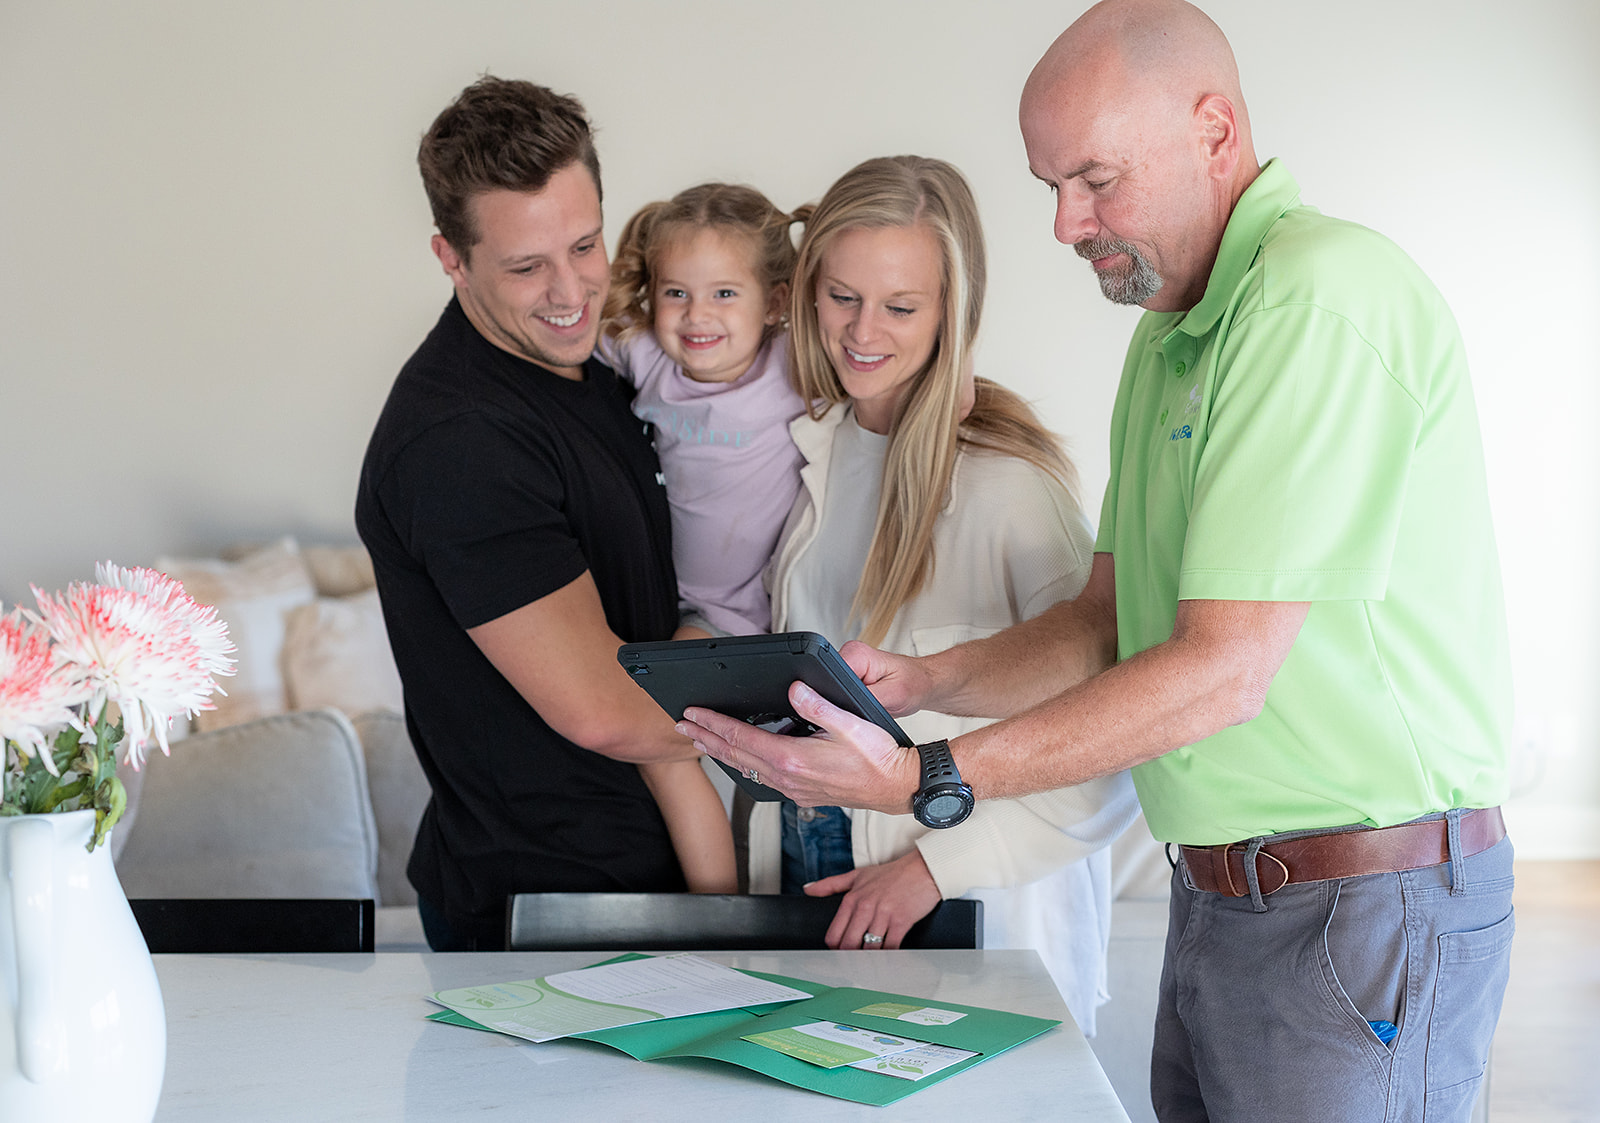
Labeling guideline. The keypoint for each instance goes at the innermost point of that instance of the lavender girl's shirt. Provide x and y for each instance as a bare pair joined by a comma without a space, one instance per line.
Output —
732,473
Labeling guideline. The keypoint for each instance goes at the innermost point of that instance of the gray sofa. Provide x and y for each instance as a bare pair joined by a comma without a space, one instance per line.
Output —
302,804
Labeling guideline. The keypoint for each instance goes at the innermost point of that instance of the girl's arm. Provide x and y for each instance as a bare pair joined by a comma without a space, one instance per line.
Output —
697,823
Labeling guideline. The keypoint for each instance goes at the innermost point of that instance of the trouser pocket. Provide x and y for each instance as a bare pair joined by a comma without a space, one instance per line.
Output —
1473,968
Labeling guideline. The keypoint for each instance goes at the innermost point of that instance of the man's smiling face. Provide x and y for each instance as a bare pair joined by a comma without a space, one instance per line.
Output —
534,282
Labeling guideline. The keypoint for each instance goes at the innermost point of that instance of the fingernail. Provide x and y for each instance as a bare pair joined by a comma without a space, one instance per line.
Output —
804,693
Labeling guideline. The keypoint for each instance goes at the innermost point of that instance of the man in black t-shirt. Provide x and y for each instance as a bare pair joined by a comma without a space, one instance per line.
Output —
518,525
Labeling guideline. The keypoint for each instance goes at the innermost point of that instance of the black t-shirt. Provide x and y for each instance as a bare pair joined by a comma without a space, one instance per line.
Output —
490,482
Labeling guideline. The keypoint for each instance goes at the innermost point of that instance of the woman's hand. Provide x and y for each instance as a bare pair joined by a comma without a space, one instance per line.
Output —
851,763
884,900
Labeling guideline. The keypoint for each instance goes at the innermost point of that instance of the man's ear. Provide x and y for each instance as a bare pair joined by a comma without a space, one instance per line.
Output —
455,265
777,301
1218,130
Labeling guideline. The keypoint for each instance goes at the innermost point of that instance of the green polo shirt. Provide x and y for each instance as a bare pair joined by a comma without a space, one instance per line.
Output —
1307,433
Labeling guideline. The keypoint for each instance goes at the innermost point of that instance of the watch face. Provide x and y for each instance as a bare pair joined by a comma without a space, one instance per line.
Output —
944,807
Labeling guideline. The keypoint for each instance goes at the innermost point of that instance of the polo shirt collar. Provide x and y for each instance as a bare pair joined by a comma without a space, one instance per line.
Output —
1273,194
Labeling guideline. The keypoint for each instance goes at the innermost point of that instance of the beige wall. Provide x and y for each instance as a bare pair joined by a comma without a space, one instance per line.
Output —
216,246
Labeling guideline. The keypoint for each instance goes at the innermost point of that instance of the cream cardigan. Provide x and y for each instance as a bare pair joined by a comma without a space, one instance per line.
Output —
1009,544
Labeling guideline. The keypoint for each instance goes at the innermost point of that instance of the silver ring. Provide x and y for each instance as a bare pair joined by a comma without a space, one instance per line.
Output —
752,775
871,940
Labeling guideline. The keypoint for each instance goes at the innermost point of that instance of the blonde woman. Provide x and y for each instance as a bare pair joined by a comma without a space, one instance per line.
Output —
916,530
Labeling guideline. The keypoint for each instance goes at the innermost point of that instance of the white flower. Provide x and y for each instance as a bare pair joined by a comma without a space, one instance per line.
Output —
144,644
39,693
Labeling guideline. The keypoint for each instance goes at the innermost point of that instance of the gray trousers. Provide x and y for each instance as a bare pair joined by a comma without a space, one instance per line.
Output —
1265,1004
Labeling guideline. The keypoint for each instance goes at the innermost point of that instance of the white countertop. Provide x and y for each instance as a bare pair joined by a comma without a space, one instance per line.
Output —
343,1037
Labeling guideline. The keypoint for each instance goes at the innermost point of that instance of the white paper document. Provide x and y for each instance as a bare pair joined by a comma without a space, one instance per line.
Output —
613,994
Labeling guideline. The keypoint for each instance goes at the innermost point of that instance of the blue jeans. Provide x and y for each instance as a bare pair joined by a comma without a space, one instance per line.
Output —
816,844
1265,1015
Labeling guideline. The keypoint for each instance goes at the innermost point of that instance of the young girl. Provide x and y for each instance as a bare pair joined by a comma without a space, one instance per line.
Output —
695,321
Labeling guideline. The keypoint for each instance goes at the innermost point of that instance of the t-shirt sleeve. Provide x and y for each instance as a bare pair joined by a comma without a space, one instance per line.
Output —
479,506
634,355
1301,484
613,351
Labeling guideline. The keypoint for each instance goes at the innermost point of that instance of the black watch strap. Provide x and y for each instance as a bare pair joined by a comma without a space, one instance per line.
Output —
938,764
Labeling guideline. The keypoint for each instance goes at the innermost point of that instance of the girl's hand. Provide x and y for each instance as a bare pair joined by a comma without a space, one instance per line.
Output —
884,900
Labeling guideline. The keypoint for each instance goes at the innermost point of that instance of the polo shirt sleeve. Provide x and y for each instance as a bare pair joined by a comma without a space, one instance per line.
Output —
1302,480
479,505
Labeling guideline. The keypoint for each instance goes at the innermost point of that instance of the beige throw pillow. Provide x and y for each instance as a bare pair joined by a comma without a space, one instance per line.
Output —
336,653
254,595
338,571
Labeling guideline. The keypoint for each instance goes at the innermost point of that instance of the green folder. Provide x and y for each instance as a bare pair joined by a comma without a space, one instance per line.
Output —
718,1036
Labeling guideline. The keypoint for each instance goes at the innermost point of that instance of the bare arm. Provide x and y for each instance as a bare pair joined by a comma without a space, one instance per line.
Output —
1005,673
1213,672
561,655
702,838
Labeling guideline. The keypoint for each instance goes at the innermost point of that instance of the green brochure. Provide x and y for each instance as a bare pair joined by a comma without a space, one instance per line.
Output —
947,1039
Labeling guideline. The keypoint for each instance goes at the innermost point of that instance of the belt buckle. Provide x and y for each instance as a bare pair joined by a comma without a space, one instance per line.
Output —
1225,883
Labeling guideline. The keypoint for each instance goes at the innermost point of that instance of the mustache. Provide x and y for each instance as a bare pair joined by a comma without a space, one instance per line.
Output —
1103,247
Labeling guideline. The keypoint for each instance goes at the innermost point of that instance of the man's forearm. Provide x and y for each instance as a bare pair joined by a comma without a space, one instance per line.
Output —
561,656
1213,673
1029,662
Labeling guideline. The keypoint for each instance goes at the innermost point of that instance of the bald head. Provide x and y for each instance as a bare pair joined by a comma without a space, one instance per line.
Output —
1134,115
1151,49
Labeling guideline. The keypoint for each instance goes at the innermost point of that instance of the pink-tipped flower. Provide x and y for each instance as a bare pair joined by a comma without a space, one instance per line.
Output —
144,644
39,693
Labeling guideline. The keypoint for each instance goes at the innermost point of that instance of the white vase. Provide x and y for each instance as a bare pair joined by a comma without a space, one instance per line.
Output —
83,1035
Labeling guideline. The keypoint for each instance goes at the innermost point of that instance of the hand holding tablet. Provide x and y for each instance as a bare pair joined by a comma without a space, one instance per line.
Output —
748,678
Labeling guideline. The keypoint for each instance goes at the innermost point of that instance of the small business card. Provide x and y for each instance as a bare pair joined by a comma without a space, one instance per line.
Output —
919,1015
831,1044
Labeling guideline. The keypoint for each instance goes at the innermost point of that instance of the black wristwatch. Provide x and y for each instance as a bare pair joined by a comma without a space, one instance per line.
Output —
942,800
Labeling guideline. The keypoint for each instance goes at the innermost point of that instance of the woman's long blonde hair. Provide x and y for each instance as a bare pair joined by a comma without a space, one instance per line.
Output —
924,436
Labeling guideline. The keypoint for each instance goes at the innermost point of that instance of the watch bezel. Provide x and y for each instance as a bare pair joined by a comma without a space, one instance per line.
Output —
925,796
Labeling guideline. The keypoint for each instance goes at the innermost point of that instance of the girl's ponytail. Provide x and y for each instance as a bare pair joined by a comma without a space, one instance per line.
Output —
627,304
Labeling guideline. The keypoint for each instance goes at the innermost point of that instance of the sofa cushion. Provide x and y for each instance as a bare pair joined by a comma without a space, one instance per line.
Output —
276,807
253,594
338,571
336,653
399,793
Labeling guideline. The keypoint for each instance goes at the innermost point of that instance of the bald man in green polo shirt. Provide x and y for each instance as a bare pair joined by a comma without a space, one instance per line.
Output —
1294,630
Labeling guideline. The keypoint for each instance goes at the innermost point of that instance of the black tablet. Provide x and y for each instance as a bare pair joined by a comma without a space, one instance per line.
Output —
748,677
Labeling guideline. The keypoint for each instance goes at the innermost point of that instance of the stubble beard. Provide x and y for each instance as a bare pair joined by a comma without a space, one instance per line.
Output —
1134,284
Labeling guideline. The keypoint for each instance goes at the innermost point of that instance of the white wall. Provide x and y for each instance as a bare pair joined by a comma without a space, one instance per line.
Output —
216,244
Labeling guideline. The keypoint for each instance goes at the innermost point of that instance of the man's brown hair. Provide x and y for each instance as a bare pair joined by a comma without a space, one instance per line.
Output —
499,134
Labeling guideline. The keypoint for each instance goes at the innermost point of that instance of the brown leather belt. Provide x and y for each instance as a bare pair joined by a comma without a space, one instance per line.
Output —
1355,853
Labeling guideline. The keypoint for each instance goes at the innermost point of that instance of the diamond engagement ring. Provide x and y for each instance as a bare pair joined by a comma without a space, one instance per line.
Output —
752,775
871,940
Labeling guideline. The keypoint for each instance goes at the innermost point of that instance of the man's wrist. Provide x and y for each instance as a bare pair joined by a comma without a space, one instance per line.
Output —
943,799
941,672
908,778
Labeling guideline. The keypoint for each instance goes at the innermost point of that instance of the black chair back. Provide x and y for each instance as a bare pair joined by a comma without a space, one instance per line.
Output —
255,925
706,921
